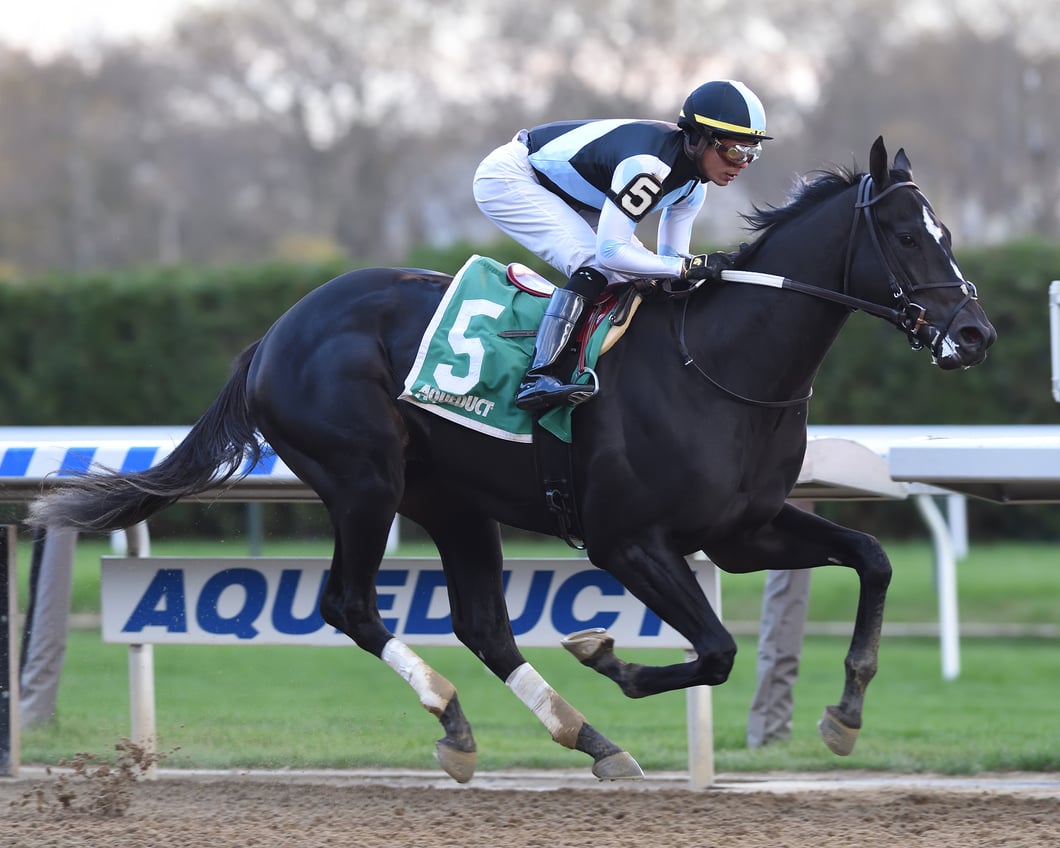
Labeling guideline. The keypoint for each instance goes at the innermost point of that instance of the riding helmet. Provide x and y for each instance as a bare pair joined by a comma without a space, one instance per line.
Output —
726,108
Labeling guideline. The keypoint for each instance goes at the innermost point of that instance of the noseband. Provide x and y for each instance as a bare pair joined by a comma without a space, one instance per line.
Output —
910,316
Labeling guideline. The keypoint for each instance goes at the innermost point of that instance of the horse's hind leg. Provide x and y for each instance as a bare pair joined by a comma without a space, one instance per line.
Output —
361,486
349,602
469,544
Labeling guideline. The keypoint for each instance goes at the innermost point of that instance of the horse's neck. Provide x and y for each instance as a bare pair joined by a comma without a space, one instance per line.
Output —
787,333
811,249
770,341
796,319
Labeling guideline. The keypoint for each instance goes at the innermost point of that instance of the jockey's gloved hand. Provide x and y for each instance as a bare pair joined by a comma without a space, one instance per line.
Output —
707,266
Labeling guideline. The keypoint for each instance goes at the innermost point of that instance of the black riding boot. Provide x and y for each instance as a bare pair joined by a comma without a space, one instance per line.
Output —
540,389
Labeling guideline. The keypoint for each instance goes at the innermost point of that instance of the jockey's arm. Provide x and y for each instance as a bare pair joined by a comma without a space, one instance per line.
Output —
634,193
675,223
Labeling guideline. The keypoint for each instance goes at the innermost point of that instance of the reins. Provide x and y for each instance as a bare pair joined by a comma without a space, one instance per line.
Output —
909,316
678,330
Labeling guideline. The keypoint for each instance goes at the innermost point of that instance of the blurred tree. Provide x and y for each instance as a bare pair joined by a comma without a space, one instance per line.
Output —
979,145
255,125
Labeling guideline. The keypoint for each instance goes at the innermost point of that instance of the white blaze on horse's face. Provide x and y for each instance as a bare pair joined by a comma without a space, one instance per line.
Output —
948,349
935,230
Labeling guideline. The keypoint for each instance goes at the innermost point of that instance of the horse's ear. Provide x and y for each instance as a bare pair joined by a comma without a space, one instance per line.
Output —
902,163
879,170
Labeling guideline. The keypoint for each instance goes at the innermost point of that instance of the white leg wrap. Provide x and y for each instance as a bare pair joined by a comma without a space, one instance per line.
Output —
434,691
561,720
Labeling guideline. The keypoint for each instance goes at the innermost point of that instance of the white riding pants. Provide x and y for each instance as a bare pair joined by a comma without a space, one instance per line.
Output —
508,192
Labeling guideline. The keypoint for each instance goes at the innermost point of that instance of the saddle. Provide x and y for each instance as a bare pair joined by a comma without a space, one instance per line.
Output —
615,305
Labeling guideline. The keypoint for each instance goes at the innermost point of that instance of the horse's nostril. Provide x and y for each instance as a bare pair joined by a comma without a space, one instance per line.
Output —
971,337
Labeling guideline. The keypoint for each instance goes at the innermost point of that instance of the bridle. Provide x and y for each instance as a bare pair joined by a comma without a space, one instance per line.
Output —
908,315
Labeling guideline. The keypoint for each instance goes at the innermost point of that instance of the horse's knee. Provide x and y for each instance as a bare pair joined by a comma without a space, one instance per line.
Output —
881,574
874,565
875,573
716,664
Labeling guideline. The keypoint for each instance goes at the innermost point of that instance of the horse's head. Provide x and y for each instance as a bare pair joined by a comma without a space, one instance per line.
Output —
901,249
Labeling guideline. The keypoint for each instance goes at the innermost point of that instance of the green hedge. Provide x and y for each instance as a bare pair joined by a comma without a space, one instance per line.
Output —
871,376
148,347
154,347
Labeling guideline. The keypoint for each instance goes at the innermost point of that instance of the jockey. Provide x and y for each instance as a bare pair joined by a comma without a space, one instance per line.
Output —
573,193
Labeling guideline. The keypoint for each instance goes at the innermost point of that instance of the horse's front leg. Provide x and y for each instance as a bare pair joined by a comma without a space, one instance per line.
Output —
800,539
663,581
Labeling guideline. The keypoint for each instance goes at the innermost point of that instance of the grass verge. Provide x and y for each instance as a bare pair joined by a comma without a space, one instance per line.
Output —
293,707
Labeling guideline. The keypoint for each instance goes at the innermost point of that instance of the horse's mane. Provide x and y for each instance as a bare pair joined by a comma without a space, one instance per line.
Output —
810,190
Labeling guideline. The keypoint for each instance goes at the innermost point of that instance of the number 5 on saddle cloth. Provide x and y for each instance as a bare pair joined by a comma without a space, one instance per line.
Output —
476,348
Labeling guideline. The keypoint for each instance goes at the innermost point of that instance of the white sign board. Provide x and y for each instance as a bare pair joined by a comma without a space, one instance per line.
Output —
274,601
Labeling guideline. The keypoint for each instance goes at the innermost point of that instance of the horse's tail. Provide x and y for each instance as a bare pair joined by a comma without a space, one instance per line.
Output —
213,452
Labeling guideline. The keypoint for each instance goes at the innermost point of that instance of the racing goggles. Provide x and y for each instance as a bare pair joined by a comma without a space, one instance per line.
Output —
738,153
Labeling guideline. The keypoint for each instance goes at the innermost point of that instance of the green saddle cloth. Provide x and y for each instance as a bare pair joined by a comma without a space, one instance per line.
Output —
475,352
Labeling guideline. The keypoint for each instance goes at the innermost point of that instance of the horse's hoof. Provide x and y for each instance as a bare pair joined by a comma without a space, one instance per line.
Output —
620,766
458,764
839,737
588,645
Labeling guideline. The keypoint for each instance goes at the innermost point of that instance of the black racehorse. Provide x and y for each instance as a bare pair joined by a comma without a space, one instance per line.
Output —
694,443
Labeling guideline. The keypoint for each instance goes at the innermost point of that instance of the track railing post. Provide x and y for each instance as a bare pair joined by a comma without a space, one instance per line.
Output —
9,726
144,730
699,700
946,586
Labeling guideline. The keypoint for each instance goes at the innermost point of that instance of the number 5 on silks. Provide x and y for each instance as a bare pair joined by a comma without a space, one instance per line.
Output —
639,195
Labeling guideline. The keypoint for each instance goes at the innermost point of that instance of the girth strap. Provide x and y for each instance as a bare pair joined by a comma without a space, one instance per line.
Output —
554,466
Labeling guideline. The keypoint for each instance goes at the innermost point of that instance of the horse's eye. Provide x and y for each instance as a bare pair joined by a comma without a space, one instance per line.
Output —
906,240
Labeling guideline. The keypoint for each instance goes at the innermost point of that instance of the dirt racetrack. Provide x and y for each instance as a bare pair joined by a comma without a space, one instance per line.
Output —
543,810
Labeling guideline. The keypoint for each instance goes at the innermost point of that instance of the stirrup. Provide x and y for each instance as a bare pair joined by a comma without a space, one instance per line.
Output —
570,394
584,391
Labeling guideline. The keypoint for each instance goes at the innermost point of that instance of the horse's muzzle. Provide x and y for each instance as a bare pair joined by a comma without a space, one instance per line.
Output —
965,342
